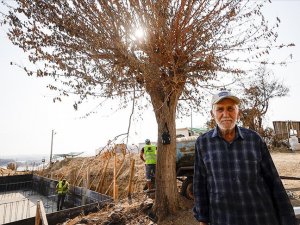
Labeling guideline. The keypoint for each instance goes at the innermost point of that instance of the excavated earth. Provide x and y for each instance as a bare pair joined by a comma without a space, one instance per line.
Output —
135,210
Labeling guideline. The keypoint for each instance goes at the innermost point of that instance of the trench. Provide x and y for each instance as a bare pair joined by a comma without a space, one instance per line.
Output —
19,195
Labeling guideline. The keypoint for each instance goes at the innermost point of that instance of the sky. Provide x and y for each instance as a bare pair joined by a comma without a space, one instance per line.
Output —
28,114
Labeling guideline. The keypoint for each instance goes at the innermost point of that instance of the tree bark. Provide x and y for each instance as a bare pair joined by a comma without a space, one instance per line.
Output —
166,195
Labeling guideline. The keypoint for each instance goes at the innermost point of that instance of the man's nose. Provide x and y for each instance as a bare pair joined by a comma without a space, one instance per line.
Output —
225,112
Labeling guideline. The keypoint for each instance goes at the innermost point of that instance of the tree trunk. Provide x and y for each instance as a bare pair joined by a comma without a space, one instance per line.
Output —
166,195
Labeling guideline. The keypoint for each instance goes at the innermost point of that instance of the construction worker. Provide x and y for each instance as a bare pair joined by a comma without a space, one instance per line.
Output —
148,155
62,188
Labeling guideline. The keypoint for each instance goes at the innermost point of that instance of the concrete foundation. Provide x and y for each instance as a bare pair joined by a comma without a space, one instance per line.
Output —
19,194
18,205
61,216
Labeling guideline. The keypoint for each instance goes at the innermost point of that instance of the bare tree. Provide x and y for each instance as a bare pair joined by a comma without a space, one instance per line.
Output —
257,92
92,48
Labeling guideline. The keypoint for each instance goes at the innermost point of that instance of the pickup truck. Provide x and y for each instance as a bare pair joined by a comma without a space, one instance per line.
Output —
185,152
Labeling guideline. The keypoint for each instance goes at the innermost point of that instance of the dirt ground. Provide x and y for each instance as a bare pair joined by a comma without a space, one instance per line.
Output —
288,164
136,211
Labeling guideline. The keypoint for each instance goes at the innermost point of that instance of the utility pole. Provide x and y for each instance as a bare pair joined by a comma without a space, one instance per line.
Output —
51,147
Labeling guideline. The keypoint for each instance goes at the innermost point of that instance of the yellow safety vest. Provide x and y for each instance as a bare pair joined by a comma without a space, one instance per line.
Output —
150,154
62,189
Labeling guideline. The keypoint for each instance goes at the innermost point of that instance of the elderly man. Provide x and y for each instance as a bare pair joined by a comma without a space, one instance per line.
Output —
235,179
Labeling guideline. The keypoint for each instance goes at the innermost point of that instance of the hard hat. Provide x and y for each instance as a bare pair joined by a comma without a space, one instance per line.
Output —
147,141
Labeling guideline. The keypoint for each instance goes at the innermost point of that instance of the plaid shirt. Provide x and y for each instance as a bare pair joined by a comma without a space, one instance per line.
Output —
237,183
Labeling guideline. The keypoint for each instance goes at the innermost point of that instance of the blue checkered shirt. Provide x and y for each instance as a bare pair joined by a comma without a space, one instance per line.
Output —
237,183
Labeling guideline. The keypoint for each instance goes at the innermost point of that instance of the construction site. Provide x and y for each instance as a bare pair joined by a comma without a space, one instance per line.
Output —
24,197
106,189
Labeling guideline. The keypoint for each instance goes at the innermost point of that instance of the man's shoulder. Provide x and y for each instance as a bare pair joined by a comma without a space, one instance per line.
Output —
245,132
206,135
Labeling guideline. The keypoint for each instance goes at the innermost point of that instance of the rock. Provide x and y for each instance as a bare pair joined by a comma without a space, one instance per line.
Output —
146,205
116,218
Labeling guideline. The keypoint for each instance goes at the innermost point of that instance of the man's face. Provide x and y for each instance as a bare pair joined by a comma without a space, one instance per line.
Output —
225,113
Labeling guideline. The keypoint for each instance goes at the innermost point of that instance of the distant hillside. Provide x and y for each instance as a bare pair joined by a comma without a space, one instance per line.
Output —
20,164
25,157
4,162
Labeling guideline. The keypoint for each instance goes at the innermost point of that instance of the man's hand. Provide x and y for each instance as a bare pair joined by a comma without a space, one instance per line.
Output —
202,223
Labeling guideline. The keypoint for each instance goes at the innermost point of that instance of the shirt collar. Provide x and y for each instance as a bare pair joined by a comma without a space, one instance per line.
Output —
239,133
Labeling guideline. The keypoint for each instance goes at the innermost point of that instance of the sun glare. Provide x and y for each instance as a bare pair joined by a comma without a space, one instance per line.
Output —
139,33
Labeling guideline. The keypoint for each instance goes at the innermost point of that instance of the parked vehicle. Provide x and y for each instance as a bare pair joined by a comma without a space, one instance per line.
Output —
185,152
